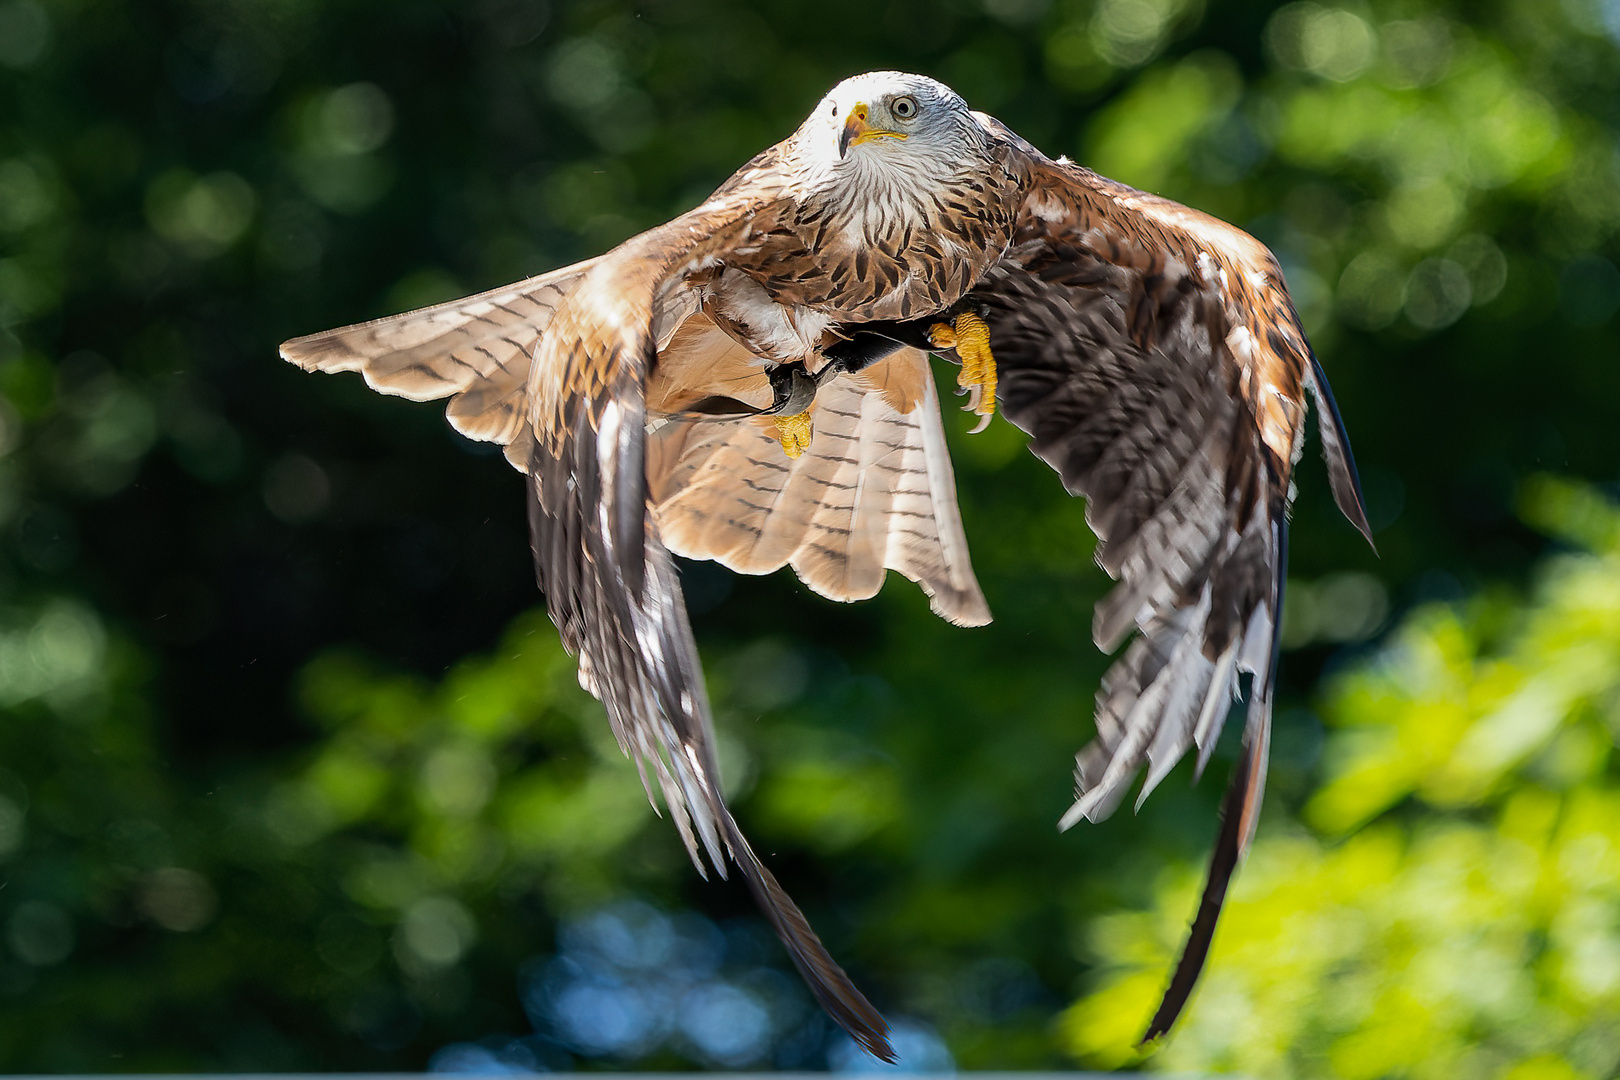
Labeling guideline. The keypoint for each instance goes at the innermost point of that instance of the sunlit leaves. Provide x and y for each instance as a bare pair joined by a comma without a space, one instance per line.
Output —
1372,290
1479,126
1331,42
1143,136
103,427
1095,40
1477,932
1340,607
1438,293
447,770
587,77
178,899
435,933
353,119
1434,123
1130,32
831,805
56,652
1437,130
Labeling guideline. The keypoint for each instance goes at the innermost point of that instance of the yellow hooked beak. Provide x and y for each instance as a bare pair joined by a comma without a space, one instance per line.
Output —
857,130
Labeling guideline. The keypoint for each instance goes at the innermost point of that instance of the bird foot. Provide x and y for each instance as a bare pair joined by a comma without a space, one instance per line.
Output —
793,432
969,335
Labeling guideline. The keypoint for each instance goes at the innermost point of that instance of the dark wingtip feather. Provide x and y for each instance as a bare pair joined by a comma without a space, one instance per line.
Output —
1342,474
1238,806
599,581
827,981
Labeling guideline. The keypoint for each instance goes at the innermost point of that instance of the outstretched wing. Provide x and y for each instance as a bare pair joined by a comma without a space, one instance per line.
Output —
874,492
557,368
1153,355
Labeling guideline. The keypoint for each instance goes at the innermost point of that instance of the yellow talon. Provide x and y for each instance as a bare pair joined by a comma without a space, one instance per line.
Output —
970,337
793,432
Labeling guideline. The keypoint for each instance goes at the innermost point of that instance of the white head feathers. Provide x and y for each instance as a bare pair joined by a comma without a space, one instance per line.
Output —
889,136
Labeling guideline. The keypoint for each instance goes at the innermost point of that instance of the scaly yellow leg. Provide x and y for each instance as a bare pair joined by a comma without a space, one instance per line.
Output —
970,337
793,432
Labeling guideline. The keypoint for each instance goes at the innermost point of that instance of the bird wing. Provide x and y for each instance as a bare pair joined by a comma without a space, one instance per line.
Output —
558,367
1154,357
874,491
475,351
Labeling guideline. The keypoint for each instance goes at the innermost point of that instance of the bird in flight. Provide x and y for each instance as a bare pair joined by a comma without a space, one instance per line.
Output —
749,383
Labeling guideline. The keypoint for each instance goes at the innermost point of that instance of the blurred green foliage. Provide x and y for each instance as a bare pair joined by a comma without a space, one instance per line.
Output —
1475,931
293,776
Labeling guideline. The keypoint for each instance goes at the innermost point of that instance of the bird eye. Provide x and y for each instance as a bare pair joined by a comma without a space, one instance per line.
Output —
904,107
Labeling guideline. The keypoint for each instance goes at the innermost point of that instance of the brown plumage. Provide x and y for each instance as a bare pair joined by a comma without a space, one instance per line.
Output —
1150,352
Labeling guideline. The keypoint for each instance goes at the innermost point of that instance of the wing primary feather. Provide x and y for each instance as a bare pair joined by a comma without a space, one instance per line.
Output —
1239,808
832,988
640,659
1342,474
620,449
1191,673
1155,359
1240,815
1216,705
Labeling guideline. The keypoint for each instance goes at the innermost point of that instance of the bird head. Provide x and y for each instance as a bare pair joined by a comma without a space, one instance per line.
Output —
888,112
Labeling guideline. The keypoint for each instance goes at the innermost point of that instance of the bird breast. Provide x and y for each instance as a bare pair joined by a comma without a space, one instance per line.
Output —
898,252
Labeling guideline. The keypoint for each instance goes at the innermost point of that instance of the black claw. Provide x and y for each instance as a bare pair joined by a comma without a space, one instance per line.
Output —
874,341
870,342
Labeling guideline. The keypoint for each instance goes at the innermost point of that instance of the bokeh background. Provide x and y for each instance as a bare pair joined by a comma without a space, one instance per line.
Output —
295,775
